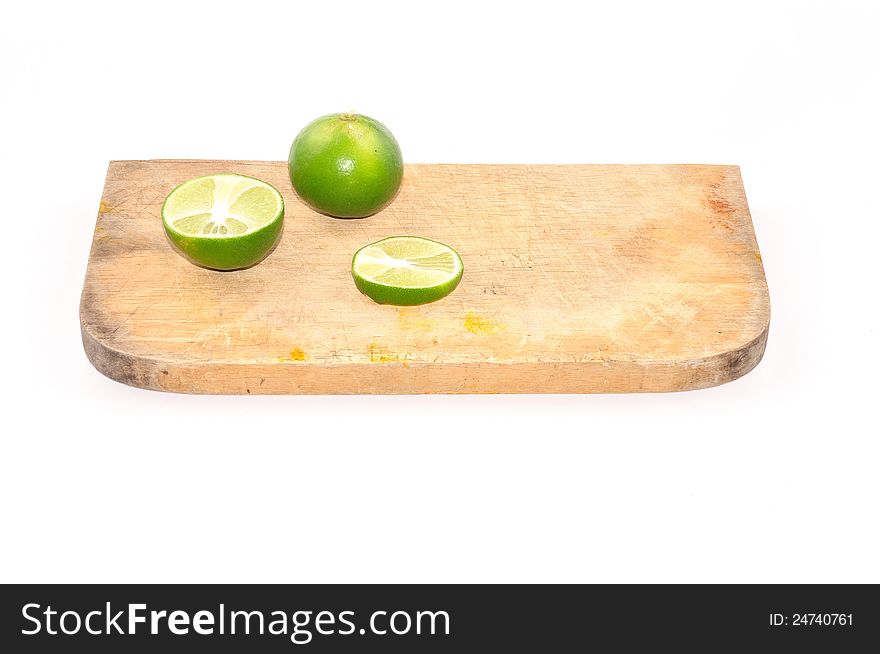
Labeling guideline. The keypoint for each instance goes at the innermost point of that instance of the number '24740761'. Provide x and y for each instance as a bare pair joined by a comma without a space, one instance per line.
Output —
811,620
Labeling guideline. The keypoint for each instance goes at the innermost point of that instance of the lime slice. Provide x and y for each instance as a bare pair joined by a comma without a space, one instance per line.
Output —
406,270
223,221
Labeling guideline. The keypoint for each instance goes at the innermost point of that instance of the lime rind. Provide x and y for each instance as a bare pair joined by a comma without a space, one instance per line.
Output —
406,270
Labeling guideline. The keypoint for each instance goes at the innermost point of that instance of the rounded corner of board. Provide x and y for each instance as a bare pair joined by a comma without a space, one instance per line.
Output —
121,367
737,362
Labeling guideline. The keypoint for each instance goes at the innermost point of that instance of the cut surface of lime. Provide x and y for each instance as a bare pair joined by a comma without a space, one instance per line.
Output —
406,270
224,221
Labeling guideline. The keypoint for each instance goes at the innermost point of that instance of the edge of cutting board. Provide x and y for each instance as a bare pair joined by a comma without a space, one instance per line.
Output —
606,376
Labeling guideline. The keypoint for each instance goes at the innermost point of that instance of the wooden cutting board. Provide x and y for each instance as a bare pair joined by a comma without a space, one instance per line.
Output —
578,279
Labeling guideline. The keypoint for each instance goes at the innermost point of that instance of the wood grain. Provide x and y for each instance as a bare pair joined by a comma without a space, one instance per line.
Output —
578,279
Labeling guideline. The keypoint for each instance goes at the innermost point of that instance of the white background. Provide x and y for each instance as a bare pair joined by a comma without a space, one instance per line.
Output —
772,478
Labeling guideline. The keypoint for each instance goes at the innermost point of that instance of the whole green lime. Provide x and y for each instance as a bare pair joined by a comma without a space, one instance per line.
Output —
346,165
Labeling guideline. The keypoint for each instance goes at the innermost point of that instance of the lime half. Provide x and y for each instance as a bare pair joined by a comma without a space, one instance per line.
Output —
406,270
224,221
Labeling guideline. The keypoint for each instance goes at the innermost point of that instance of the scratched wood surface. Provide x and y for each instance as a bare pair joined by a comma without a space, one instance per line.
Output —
578,279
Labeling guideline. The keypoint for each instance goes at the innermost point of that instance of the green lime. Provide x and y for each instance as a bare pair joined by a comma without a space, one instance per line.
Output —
345,165
406,270
223,221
